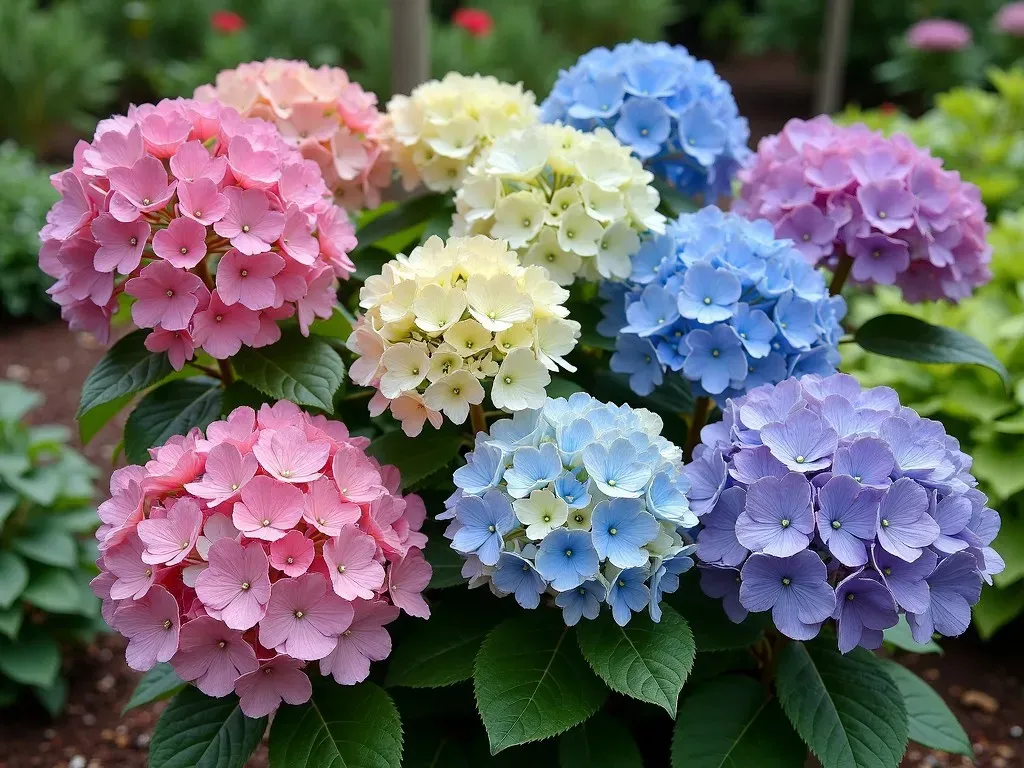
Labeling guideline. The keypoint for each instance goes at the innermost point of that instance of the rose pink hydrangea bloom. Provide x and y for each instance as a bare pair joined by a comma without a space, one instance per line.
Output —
938,35
211,223
243,555
1010,19
890,206
329,118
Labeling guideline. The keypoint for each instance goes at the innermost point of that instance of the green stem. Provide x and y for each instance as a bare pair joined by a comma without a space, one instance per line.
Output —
841,273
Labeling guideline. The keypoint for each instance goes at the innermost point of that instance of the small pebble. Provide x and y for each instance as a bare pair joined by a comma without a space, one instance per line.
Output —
1016,731
142,741
94,763
1005,751
999,762
122,740
78,761
931,674
980,700
107,734
49,734
89,719
62,364
105,683
18,372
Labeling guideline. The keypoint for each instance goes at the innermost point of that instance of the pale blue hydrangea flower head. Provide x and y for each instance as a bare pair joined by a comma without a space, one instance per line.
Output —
675,113
579,500
718,300
820,500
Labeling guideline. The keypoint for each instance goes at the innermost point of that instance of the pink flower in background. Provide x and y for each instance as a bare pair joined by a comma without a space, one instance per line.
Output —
939,35
1010,19
328,118
185,186
476,21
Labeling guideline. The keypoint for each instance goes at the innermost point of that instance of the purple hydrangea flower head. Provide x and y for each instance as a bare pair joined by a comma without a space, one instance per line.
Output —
820,500
580,503
672,110
720,300
938,35
888,205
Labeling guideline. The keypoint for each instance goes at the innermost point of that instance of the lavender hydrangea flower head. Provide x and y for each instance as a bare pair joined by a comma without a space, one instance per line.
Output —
820,500
718,299
889,205
579,500
676,114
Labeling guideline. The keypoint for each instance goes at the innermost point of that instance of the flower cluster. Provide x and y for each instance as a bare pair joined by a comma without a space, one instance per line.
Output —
579,499
569,201
819,500
884,203
322,113
171,192
1010,19
450,315
441,128
720,299
672,110
938,35
270,542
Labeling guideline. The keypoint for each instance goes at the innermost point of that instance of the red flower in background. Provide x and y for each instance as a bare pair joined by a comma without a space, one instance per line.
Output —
227,22
475,21
888,108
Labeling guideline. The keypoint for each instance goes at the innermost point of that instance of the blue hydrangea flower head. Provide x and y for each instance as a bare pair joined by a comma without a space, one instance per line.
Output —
675,113
720,301
580,501
820,500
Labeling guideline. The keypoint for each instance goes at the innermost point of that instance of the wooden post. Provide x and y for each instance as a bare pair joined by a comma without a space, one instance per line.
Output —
835,37
410,44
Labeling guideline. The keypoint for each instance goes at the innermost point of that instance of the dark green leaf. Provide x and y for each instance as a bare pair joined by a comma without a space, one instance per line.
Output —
439,652
712,629
238,393
560,387
53,697
445,562
156,685
127,368
729,722
337,326
10,620
32,659
341,727
307,371
57,590
16,401
370,261
13,578
8,503
170,409
845,708
89,424
196,731
600,742
908,338
931,722
430,747
417,457
82,520
413,212
644,660
901,637
47,544
531,681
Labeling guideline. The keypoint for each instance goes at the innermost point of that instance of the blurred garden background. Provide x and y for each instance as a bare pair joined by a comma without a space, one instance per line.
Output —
948,73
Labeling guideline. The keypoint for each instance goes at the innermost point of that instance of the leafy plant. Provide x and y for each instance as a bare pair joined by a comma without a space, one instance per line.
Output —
25,198
45,600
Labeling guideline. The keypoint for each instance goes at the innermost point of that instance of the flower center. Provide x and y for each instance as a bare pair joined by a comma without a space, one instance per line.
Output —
836,525
245,586
885,523
469,344
234,486
221,644
707,299
800,459
168,624
857,478
786,581
197,213
806,237
492,315
551,257
578,518
887,571
546,518
715,353
218,318
415,371
613,531
881,214
455,390
146,201
850,596
299,614
568,499
170,293
341,568
508,379
876,254
526,223
612,483
148,572
568,553
644,131
491,528
134,241
184,250
286,473
785,523
265,522
245,228
244,273
289,560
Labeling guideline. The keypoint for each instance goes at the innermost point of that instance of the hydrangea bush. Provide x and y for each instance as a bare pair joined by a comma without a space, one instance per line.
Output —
718,299
451,315
578,502
880,208
440,129
244,554
572,202
821,500
327,117
210,224
672,110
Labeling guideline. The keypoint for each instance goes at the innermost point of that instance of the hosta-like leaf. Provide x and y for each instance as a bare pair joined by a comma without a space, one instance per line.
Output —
932,724
600,742
196,731
171,409
340,727
847,709
13,578
156,685
60,591
417,457
531,682
32,659
307,371
644,660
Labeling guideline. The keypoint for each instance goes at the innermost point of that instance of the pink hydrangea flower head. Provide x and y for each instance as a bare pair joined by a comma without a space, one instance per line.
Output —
324,115
848,192
938,35
243,554
1010,19
173,190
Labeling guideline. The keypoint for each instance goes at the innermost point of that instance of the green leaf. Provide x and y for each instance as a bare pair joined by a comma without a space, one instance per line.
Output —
418,457
56,590
196,731
600,742
909,338
89,424
170,409
53,697
156,685
560,387
413,212
729,722
127,368
83,520
32,659
337,326
428,746
845,708
531,681
340,727
902,638
10,621
238,393
307,371
1011,548
997,608
8,503
644,660
712,629
13,578
445,562
370,261
47,544
931,722
440,652
16,401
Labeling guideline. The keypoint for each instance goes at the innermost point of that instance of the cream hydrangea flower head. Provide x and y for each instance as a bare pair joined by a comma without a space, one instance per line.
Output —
440,129
572,202
442,321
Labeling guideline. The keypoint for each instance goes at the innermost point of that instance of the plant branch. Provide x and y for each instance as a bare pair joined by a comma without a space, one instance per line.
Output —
701,409
208,370
841,273
227,375
477,418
